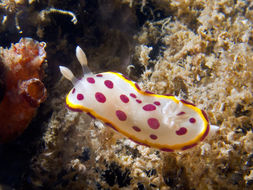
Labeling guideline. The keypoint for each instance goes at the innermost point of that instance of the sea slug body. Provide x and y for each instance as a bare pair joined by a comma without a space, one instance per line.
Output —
159,121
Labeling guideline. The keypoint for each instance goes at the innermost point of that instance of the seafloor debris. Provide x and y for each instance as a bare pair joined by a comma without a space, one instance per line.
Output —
21,88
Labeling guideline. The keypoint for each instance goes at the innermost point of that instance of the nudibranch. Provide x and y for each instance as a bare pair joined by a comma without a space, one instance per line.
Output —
164,122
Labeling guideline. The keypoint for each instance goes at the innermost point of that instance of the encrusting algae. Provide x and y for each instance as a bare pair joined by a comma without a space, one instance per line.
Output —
198,50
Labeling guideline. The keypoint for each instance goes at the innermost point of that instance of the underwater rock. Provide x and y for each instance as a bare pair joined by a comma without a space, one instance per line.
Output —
21,88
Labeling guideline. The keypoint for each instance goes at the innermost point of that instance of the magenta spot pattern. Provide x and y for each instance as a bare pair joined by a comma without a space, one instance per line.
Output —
133,95
157,103
100,97
121,115
138,101
192,120
152,136
149,107
99,75
181,113
153,123
124,98
108,84
181,131
73,91
80,97
137,129
91,80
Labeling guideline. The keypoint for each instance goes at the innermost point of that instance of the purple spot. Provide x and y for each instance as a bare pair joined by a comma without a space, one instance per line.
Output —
181,131
92,116
137,86
152,136
167,150
186,102
188,146
204,113
192,120
100,97
108,84
73,91
124,98
121,115
181,113
153,123
206,133
91,80
157,103
149,107
99,75
80,97
138,101
133,95
137,129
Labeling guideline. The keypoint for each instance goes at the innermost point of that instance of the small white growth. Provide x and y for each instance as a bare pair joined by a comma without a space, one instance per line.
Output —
99,124
144,55
130,143
77,165
205,148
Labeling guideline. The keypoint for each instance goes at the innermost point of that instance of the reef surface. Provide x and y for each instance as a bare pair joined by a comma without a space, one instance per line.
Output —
201,51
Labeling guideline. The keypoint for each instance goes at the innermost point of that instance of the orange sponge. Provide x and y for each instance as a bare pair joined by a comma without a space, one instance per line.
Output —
21,88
